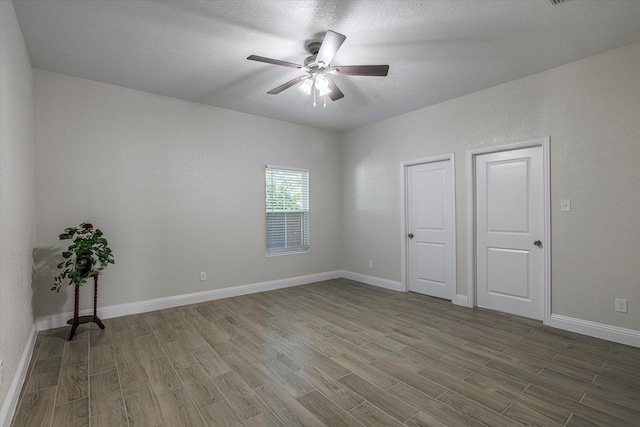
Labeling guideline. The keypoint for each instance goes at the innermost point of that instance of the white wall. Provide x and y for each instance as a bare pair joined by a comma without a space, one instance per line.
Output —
16,196
589,109
176,187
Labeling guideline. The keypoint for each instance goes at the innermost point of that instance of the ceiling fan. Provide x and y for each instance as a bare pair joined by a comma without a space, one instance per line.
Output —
318,69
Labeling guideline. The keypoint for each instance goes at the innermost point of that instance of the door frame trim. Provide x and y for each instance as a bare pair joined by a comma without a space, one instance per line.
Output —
404,241
471,217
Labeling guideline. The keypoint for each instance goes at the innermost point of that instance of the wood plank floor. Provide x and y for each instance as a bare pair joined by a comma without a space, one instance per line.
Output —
335,353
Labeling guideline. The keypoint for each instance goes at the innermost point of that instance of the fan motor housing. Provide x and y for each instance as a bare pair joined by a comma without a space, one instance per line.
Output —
313,48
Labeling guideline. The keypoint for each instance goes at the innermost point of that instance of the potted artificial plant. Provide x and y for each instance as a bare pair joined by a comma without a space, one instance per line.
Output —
86,256
88,253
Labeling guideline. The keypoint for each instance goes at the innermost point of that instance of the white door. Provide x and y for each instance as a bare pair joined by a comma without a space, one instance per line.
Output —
430,219
509,231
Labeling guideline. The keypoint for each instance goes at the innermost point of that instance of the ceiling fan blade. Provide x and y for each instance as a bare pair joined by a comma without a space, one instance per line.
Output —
362,70
330,45
287,85
273,61
335,93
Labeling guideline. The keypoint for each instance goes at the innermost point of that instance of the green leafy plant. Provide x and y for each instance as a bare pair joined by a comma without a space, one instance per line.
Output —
89,252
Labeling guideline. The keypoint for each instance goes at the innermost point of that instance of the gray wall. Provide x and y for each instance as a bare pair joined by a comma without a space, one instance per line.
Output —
589,109
176,187
16,194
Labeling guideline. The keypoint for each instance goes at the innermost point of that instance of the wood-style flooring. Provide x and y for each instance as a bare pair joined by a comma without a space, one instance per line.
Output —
335,353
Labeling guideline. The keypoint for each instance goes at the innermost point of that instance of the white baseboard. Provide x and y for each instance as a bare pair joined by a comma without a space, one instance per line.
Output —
598,330
11,401
58,320
373,281
462,300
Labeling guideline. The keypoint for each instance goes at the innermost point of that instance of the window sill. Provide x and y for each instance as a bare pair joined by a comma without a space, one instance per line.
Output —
289,252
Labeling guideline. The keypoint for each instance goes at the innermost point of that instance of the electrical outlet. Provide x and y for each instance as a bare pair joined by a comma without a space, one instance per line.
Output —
621,305
203,276
370,264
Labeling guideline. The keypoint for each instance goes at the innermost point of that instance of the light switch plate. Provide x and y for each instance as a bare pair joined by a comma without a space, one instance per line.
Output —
565,205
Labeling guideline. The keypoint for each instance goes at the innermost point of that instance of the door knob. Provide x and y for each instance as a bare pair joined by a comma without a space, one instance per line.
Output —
411,235
538,243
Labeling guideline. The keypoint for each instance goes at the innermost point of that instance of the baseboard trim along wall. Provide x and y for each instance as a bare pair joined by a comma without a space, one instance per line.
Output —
11,401
58,320
373,281
597,330
462,300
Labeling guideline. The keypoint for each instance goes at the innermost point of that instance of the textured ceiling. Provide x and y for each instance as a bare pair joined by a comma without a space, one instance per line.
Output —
436,49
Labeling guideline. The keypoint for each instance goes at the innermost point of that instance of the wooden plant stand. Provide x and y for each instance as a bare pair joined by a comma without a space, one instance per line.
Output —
78,320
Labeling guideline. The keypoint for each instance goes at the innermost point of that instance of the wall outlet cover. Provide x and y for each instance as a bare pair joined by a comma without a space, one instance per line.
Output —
621,305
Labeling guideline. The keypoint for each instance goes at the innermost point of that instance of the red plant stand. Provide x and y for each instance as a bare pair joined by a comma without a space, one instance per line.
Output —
78,320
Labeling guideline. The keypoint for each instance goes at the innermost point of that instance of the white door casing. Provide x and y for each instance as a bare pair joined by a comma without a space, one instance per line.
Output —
430,230
510,233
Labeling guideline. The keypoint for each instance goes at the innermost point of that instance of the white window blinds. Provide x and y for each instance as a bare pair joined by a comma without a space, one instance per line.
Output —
287,205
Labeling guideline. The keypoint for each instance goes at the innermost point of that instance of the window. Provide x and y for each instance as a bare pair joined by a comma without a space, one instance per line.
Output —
287,210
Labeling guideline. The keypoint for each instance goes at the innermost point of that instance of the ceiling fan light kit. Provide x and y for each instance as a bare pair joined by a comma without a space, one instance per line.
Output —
317,80
318,85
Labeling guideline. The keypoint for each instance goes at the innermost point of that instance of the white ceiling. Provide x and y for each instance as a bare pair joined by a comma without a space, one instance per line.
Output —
436,49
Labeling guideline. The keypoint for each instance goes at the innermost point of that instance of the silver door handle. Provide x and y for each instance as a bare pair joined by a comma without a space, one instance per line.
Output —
538,243
411,235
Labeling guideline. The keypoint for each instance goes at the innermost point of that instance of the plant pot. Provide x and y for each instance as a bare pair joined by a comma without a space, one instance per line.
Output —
84,265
